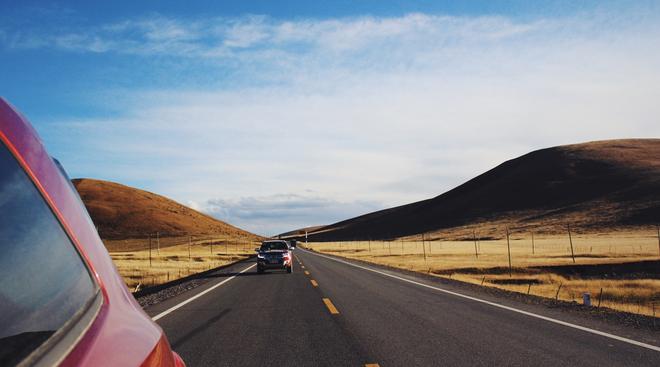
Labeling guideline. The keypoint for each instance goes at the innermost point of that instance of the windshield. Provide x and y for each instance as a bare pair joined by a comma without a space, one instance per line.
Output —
267,246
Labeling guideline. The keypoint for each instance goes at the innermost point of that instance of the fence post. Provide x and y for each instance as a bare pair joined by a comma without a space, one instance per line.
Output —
508,245
158,242
189,248
424,247
558,289
600,295
658,228
149,249
474,238
570,239
532,242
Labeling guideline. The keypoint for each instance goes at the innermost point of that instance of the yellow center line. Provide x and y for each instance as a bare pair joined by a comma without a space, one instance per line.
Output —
330,306
314,283
306,272
372,365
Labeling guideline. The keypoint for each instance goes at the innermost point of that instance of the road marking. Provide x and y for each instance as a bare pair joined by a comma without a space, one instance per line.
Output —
302,266
372,365
314,283
306,272
174,308
564,323
330,306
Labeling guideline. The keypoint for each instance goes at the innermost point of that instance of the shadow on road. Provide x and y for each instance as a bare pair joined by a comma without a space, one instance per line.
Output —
207,323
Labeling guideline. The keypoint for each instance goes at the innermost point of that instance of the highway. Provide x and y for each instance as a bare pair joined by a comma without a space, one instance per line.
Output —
331,312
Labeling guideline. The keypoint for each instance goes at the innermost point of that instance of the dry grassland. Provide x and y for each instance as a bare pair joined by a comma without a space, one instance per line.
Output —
634,287
176,257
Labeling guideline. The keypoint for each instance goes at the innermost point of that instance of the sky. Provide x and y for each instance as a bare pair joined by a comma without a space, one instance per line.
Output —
275,115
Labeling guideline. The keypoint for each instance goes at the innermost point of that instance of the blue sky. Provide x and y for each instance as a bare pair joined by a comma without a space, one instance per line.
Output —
275,115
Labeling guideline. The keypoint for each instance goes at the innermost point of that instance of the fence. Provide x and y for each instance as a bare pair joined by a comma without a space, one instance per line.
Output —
624,264
159,257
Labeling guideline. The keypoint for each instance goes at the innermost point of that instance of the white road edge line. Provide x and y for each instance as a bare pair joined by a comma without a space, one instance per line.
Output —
174,308
564,323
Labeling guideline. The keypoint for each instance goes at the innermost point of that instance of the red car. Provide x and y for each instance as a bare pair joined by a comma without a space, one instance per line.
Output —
62,301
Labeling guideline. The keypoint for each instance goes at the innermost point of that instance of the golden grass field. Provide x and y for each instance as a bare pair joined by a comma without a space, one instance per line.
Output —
177,257
636,291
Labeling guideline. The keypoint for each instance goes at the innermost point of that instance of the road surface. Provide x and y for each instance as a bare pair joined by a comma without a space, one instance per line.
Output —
332,312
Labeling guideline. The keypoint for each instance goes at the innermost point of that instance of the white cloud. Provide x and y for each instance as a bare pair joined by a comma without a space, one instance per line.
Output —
269,214
366,112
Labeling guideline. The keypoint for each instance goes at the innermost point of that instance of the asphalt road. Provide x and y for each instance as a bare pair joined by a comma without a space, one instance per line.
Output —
339,314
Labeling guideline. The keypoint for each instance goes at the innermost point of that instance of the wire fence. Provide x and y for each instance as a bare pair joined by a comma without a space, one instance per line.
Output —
160,257
618,269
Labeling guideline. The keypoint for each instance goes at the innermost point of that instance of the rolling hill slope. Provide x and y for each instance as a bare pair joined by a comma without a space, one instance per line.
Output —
594,185
122,212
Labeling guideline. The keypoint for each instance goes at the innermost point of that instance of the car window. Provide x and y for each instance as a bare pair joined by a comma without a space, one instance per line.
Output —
44,283
266,246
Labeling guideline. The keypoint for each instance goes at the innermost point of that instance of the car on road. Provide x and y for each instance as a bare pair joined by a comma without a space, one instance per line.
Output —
62,302
275,254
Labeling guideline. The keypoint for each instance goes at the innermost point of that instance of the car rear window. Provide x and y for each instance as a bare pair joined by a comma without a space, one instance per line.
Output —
44,283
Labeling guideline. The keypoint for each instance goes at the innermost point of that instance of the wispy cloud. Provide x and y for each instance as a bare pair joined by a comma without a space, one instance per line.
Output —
366,112
226,37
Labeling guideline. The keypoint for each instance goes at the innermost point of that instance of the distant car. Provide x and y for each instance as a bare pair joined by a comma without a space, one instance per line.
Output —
293,244
274,254
62,302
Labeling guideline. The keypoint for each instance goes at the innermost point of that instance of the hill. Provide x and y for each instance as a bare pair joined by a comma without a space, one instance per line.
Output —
122,212
300,231
596,185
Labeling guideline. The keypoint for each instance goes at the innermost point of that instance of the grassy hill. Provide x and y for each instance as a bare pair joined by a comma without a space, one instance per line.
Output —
593,186
123,212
